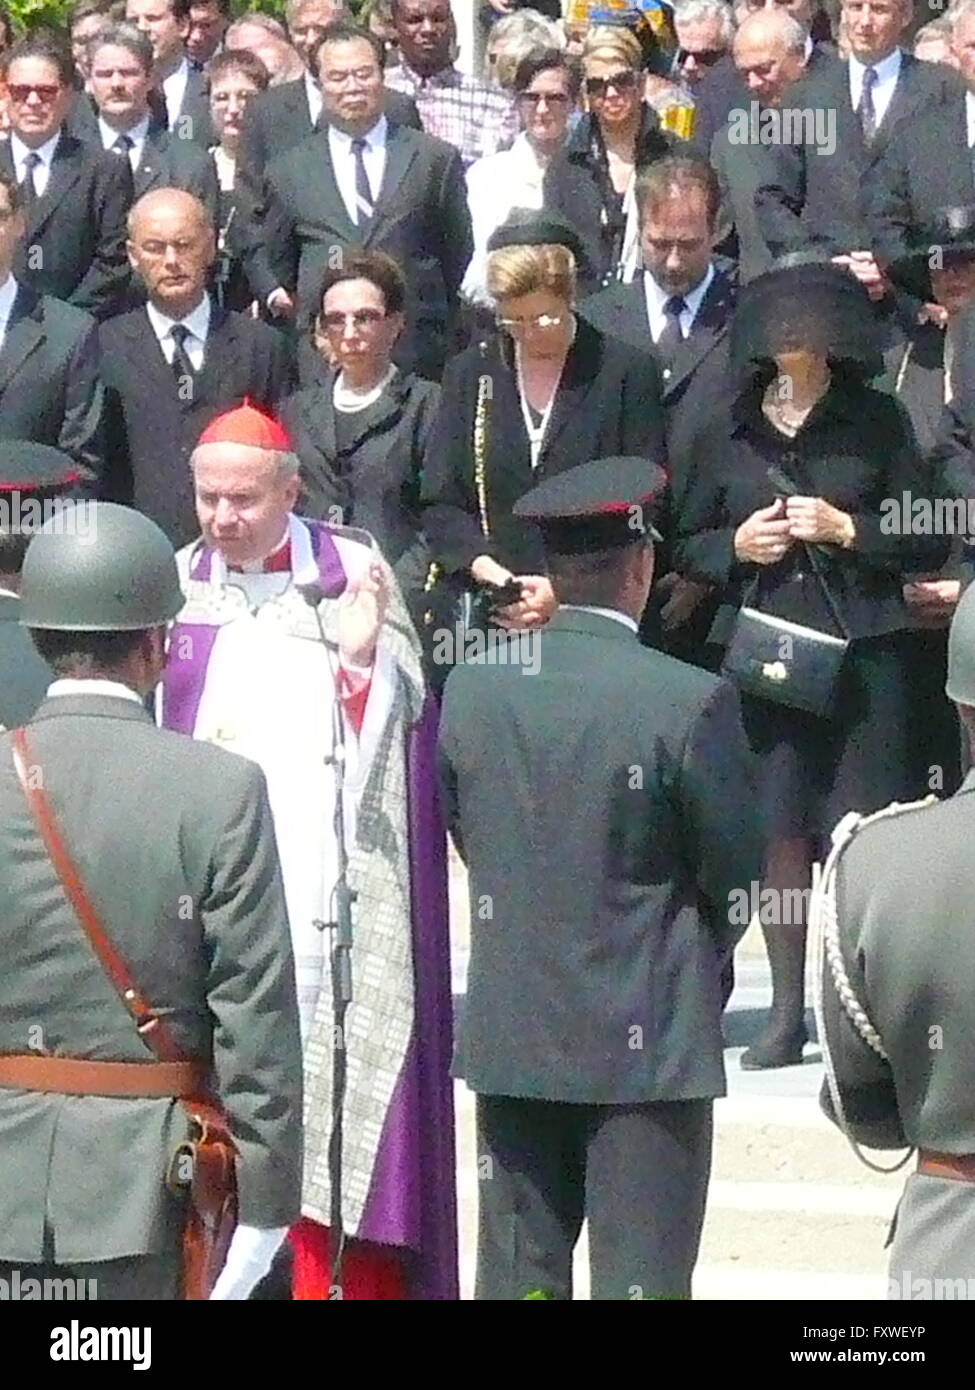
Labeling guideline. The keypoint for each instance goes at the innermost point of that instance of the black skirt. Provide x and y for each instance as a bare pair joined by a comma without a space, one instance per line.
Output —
811,770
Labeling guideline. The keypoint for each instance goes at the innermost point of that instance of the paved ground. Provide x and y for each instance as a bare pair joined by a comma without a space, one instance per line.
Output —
792,1214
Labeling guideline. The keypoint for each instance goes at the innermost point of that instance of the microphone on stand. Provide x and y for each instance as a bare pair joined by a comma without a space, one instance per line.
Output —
337,920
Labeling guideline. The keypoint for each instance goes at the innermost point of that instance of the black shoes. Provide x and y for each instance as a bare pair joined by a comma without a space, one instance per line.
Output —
775,1048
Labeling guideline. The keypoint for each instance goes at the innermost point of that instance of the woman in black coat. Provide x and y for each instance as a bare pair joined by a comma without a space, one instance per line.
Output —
547,392
802,341
592,182
360,434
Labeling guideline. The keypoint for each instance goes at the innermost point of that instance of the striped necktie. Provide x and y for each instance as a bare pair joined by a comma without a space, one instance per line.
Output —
363,193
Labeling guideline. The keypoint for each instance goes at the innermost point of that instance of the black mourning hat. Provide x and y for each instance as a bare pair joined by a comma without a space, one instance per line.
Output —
805,301
601,505
525,227
948,239
29,467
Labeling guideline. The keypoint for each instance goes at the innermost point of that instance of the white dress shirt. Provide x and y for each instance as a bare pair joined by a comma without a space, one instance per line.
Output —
42,173
314,95
174,90
137,135
343,163
657,298
887,70
8,293
497,184
92,687
970,118
198,323
614,613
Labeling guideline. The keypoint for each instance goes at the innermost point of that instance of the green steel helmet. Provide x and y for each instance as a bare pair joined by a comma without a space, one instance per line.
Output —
960,685
98,567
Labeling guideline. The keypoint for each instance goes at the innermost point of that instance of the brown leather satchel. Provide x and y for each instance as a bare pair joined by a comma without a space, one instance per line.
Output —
205,1163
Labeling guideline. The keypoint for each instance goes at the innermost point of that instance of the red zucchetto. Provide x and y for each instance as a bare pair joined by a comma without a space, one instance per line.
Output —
247,425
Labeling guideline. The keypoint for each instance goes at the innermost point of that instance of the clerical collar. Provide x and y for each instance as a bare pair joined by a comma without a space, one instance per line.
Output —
115,689
277,561
614,613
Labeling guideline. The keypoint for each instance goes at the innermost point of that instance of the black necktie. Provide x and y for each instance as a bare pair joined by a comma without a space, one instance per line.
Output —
867,112
122,144
28,187
182,366
363,193
670,336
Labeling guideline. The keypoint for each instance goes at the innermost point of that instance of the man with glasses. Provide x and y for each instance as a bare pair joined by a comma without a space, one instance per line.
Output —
363,182
75,197
171,367
474,117
704,32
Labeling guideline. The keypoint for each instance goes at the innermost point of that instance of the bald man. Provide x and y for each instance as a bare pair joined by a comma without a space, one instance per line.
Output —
173,365
770,55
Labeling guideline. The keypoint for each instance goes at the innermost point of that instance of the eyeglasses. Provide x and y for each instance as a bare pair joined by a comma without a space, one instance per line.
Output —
703,57
536,321
362,318
44,91
623,81
550,98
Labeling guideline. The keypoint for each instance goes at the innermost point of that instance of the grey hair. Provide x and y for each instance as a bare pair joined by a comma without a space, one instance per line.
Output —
528,24
959,9
939,28
694,10
125,36
256,19
792,33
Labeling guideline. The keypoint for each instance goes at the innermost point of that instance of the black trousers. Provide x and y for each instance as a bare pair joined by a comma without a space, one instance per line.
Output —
141,1278
637,1173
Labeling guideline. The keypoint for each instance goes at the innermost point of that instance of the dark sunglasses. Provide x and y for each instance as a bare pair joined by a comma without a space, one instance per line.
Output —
21,91
623,81
703,57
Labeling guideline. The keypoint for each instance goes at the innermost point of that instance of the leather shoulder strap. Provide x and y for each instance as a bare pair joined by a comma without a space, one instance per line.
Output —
150,1028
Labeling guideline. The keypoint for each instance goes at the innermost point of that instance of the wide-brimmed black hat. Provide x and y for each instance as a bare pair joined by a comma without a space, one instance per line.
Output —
525,227
601,505
804,301
948,239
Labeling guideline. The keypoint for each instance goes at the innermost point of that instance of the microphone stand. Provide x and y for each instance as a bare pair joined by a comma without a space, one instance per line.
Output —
339,926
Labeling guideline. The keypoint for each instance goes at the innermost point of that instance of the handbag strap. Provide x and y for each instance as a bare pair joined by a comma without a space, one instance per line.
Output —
149,1026
484,387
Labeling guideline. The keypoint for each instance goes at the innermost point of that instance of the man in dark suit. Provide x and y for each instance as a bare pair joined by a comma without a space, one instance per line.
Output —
90,1121
49,387
75,197
721,88
33,480
364,182
171,367
208,23
928,163
121,78
851,111
183,87
601,869
678,309
769,56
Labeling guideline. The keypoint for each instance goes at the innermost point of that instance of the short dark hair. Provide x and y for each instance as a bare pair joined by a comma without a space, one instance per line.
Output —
344,31
222,5
239,60
682,171
125,36
547,60
594,577
82,655
49,48
180,8
376,267
84,9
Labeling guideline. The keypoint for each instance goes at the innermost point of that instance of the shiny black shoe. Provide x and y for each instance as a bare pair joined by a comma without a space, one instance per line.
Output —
775,1049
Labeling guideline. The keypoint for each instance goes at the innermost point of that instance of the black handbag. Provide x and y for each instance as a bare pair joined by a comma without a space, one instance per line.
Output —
785,662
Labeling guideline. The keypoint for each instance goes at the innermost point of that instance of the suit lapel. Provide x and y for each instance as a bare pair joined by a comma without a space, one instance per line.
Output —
25,333
152,170
219,356
147,359
708,327
333,206
581,366
65,172
400,153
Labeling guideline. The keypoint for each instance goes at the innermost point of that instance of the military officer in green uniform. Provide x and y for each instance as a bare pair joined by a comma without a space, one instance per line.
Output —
173,843
33,479
894,915
594,793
